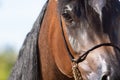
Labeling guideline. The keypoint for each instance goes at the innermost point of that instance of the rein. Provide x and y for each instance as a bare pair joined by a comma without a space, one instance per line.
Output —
76,72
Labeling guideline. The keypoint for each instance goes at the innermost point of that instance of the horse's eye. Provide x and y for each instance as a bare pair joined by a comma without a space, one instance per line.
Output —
67,17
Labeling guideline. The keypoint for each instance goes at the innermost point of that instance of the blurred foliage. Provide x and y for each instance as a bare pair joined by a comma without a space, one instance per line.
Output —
7,61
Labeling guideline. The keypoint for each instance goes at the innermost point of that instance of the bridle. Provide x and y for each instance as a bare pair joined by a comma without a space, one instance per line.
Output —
76,72
83,57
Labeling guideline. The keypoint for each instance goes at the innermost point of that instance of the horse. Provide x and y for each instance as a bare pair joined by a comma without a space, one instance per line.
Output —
72,40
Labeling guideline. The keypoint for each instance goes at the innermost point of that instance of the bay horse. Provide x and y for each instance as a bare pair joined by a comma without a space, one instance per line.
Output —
72,40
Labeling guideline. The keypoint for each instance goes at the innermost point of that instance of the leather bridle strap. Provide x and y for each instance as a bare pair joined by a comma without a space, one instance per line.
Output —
83,57
69,52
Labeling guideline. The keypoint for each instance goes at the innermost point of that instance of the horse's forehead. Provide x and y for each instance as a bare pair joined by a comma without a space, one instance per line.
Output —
93,3
97,5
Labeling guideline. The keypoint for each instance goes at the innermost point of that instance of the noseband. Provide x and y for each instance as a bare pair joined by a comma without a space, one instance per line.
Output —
76,72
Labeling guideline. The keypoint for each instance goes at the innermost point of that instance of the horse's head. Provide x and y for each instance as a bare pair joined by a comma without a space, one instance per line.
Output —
87,23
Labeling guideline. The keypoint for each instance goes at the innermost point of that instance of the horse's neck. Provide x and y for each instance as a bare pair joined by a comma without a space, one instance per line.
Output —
52,52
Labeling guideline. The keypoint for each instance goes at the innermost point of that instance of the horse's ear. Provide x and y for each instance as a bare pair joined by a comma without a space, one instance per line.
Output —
97,5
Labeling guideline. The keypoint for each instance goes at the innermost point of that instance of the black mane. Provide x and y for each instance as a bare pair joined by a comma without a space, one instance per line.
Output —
27,66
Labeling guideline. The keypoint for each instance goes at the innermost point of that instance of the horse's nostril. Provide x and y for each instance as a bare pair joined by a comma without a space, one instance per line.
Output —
105,77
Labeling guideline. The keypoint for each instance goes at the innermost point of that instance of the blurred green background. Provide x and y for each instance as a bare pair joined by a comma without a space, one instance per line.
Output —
16,20
7,60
